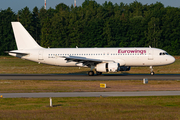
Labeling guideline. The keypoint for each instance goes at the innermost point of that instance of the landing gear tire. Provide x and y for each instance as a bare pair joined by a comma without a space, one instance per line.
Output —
152,73
90,73
99,73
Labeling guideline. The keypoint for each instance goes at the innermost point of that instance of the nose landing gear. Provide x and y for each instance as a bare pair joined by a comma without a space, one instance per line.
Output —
151,73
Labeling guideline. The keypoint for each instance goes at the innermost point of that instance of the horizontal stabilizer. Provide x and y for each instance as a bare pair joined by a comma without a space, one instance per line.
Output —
19,53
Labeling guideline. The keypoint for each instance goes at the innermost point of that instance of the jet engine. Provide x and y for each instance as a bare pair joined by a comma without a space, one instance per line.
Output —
107,67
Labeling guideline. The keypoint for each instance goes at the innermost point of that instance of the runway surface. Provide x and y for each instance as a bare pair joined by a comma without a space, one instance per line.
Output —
86,77
90,94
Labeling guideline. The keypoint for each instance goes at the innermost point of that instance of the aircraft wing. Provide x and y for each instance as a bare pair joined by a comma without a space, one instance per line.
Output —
84,60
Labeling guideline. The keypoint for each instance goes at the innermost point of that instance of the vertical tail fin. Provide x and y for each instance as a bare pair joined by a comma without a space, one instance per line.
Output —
23,39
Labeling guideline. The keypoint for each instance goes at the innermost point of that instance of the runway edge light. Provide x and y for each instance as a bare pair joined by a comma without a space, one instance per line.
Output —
1,96
102,85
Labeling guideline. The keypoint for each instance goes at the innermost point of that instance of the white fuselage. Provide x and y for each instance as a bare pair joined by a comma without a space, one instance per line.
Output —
98,59
123,56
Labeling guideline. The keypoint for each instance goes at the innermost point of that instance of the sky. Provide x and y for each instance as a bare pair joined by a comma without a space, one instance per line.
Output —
16,5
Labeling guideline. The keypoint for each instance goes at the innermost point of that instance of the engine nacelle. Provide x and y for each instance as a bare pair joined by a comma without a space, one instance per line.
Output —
125,68
107,67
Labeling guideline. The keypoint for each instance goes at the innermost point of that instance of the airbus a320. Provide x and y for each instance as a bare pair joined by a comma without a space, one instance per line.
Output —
99,60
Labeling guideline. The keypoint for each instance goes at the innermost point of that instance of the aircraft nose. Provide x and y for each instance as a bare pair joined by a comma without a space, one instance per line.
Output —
171,59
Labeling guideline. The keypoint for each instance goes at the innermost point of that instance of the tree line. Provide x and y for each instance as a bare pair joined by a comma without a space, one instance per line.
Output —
95,25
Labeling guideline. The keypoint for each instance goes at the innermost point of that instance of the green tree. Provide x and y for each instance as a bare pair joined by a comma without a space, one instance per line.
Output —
7,41
36,25
154,32
95,25
46,33
26,18
60,22
46,29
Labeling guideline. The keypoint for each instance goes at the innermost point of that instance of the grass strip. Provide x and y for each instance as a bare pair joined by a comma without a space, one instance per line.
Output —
164,107
31,86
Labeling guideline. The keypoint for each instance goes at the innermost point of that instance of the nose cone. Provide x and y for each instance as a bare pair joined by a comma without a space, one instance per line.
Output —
171,60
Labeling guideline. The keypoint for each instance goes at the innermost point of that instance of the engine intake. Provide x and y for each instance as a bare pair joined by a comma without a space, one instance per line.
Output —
108,67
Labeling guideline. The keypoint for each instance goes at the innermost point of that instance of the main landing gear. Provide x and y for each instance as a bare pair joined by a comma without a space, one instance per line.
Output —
151,73
91,73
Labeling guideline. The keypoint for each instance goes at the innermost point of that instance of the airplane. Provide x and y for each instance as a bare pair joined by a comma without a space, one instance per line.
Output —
99,60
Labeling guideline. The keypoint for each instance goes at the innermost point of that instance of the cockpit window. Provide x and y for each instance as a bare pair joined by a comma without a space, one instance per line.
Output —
163,53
